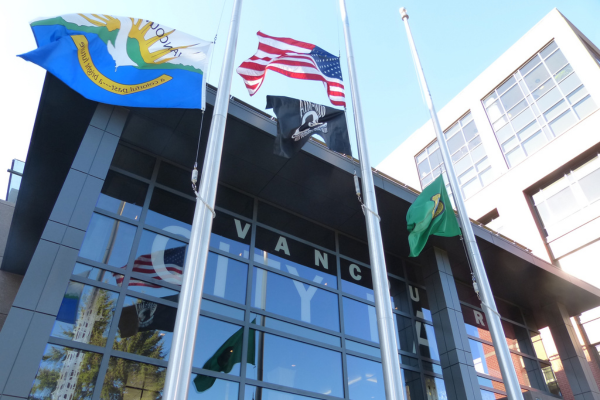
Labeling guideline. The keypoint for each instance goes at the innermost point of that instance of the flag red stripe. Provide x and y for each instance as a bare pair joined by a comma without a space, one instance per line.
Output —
293,42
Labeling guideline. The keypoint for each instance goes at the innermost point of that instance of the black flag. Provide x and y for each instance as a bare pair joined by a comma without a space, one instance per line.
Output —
298,120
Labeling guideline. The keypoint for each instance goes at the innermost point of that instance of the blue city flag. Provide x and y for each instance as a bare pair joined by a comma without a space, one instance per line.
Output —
70,304
123,61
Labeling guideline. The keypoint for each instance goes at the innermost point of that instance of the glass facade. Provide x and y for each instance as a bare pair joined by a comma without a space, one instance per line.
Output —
537,103
468,156
571,200
288,309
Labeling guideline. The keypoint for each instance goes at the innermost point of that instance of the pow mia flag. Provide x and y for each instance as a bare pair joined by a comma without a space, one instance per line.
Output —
298,120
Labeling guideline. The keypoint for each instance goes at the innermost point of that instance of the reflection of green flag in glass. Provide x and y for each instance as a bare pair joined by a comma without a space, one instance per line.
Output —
229,354
430,214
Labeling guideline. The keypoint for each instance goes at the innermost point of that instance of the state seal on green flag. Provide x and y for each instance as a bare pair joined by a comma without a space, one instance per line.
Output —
430,214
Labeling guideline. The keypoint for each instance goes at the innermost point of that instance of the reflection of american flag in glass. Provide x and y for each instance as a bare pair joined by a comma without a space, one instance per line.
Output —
173,259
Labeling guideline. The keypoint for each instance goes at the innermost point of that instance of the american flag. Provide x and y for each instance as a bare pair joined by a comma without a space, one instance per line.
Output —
294,59
173,258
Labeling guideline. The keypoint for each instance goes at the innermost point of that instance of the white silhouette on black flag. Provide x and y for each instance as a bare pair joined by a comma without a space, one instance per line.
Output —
298,120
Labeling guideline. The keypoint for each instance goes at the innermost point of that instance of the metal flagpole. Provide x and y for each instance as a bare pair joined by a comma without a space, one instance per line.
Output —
383,306
184,334
509,375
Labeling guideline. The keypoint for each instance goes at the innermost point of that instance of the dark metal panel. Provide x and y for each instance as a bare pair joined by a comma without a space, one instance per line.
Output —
73,238
82,212
35,278
104,155
68,196
101,116
87,149
27,363
11,338
54,232
117,121
57,281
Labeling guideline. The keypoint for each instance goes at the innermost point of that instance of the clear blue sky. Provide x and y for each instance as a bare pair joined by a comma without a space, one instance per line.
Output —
456,40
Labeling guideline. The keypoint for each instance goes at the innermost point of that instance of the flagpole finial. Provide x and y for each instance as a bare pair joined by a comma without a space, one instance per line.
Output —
403,13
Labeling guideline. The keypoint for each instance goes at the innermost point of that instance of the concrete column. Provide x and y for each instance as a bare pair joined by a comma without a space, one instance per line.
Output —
459,373
571,355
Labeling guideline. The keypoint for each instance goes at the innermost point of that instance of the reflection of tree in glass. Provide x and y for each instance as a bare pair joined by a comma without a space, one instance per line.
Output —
131,380
59,363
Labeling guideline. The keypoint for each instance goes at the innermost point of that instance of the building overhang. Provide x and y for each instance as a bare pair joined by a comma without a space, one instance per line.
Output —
316,183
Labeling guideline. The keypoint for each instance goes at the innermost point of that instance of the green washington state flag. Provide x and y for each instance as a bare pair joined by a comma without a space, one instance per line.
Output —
229,354
430,214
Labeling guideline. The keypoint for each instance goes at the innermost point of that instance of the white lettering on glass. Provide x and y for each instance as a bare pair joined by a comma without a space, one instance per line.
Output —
353,272
478,318
282,245
321,259
422,341
241,232
306,295
414,294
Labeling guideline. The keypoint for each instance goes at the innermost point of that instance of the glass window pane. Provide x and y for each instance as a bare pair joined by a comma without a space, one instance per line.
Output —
590,184
562,204
475,142
511,97
511,81
500,123
218,308
85,314
420,303
486,176
97,274
577,95
122,195
299,365
132,380
108,241
406,334
549,49
478,153
365,379
151,289
231,235
356,280
534,143
168,210
203,387
293,329
563,73
510,144
529,66
435,158
517,109
488,100
537,76
255,392
562,123
294,257
471,188
584,107
360,320
483,164
221,348
504,133
470,130
363,348
431,367
293,299
424,168
225,278
463,165
569,84
145,328
556,61
544,88
455,143
427,341
436,390
133,161
66,373
484,359
522,119
160,257
235,201
412,385
175,178
556,110
551,98
467,176
517,338
495,111
300,227
452,131
515,157
421,157
399,295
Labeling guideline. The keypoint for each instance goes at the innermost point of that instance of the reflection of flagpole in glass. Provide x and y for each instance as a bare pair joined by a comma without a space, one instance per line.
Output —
509,375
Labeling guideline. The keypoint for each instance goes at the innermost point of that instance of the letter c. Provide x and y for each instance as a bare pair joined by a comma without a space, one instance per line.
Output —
353,269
